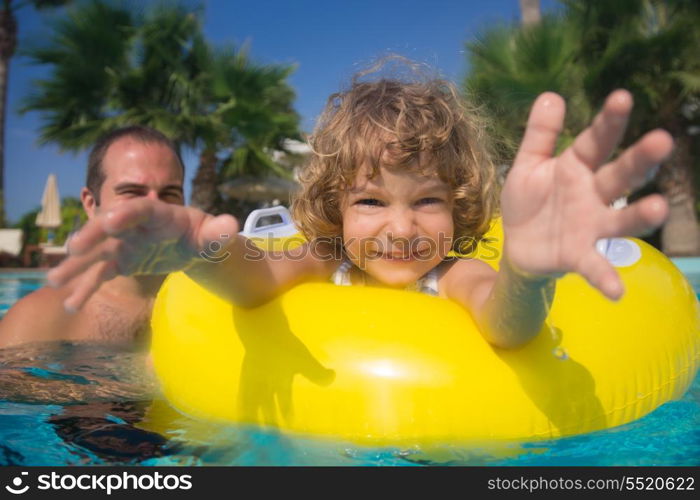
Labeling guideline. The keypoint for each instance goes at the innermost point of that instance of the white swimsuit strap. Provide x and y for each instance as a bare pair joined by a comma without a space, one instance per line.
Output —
428,284
341,276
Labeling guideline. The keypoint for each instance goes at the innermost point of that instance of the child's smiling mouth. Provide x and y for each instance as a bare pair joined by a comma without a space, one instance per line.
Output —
399,257
419,254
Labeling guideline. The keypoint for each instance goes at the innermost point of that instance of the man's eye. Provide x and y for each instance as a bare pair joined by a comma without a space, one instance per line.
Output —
372,202
171,196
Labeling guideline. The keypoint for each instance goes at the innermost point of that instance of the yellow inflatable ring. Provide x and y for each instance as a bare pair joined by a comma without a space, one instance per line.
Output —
389,367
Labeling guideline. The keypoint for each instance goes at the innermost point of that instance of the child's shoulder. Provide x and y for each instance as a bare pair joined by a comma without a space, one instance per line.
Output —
460,276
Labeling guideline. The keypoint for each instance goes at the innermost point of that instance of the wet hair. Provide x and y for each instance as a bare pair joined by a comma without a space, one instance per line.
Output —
421,125
146,135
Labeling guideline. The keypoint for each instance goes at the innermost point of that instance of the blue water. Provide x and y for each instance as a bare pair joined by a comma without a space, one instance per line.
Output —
15,285
71,404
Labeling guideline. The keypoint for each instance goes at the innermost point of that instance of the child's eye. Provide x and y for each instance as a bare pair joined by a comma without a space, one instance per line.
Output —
372,202
429,201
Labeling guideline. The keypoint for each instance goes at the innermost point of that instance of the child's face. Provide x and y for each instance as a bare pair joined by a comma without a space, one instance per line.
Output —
398,225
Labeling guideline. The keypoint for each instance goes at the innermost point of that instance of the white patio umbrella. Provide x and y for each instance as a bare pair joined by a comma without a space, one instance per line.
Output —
50,215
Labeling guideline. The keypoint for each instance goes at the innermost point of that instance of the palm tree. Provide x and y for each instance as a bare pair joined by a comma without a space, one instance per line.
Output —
256,116
648,47
8,44
511,65
651,48
112,67
88,53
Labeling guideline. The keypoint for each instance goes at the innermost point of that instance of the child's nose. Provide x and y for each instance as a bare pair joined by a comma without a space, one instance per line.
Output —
402,224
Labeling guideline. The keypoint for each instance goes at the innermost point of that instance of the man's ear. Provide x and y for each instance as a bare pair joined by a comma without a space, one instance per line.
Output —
89,202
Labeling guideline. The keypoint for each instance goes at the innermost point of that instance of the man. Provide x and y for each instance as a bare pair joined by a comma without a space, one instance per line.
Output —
132,162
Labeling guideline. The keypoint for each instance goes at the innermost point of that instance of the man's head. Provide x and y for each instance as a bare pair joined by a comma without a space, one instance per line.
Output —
132,162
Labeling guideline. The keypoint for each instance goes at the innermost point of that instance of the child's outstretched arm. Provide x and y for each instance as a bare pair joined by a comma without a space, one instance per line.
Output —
554,210
151,237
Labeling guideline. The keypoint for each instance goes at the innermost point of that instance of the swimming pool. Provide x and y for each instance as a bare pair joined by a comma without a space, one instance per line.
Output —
16,284
70,404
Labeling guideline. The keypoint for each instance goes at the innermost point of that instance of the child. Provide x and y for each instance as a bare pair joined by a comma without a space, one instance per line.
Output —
400,176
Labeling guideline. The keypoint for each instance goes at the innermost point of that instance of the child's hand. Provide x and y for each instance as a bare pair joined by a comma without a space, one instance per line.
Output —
555,208
137,237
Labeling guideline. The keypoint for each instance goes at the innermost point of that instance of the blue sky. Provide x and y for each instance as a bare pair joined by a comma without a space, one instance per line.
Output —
328,40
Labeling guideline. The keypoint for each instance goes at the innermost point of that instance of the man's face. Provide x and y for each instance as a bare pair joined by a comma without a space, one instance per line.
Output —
135,169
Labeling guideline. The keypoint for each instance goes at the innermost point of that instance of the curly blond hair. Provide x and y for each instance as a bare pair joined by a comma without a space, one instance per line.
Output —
390,123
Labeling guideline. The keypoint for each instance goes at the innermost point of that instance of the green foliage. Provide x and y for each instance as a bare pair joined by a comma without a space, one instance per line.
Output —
511,66
72,217
27,223
45,4
113,65
649,47
262,112
85,50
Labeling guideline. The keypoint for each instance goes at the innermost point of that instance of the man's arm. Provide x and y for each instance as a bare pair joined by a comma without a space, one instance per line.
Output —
152,237
508,307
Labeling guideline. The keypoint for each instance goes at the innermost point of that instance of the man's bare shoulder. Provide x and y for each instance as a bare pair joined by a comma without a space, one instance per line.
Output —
36,317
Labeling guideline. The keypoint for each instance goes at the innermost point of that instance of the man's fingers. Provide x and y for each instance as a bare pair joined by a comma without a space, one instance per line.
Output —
77,264
543,128
600,274
595,144
630,170
139,237
638,219
218,230
89,284
113,223
129,215
91,234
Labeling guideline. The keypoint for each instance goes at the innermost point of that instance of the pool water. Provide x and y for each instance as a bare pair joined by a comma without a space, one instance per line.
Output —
81,404
15,285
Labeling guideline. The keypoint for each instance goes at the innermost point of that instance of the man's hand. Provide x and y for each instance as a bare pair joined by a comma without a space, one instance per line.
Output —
137,237
556,208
